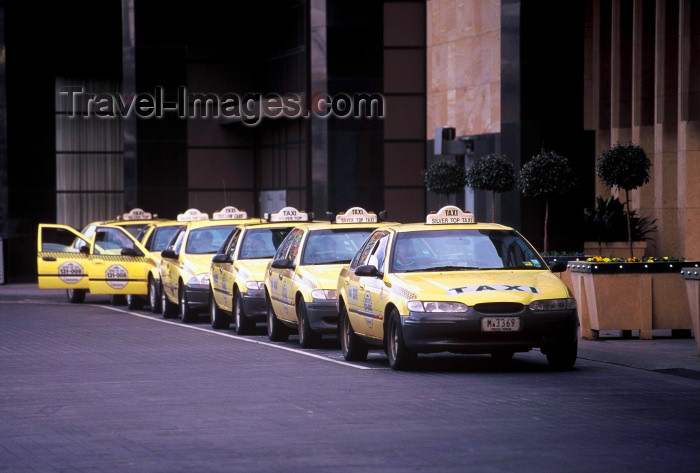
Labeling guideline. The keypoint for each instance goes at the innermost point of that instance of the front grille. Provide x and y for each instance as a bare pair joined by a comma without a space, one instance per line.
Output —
499,307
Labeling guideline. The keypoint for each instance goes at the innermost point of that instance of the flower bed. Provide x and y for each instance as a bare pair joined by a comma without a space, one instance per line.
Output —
613,294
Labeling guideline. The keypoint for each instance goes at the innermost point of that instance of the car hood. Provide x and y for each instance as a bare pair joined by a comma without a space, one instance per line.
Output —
321,276
198,264
473,287
252,269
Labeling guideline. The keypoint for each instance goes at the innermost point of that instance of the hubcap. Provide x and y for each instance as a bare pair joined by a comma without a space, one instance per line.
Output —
346,333
238,313
393,340
212,310
152,293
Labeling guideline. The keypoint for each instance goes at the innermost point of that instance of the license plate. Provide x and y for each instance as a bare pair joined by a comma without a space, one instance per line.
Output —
500,324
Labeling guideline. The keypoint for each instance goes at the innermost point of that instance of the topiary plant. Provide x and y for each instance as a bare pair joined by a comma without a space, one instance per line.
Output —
546,175
492,173
625,167
445,177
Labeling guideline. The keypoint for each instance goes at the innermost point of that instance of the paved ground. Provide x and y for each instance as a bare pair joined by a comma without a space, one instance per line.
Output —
93,388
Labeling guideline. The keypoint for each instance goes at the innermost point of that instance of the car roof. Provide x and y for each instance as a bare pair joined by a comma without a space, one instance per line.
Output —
412,227
219,223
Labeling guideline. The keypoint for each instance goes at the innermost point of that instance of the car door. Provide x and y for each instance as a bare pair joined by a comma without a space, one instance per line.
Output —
368,310
222,274
170,267
119,263
279,279
352,282
61,264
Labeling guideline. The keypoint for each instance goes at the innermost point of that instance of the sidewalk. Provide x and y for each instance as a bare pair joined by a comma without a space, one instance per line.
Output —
677,356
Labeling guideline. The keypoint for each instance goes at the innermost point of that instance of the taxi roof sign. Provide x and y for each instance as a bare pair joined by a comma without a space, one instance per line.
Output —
288,214
136,214
230,213
450,214
192,215
356,215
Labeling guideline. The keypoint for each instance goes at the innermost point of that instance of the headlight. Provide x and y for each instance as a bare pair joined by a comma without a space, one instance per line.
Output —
553,304
324,294
199,280
436,306
255,288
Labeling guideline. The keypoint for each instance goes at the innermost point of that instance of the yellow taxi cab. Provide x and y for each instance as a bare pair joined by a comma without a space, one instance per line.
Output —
184,266
300,282
451,284
154,238
110,261
238,271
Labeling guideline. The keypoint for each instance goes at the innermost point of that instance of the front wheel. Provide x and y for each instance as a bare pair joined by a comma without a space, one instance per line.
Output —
168,309
400,356
219,319
188,315
76,296
354,348
133,302
153,294
562,357
276,330
308,338
244,325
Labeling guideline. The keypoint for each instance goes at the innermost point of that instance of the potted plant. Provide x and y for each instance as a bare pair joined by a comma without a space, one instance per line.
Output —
445,177
625,166
492,173
546,175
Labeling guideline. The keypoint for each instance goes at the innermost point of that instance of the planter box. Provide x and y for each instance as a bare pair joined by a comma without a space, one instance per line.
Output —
618,249
630,296
692,288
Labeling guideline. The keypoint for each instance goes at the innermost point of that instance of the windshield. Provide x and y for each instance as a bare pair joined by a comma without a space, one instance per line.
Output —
207,240
334,246
454,250
135,230
262,242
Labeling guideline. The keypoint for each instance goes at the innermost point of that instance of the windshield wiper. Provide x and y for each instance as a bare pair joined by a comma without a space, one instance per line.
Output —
443,268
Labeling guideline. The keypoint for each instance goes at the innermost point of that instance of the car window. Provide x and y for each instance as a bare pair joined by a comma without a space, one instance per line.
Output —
378,255
262,242
110,241
229,245
161,237
365,250
178,239
333,246
463,249
207,240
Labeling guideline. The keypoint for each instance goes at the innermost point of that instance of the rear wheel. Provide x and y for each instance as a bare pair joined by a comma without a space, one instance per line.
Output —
400,356
117,299
168,309
308,338
76,296
134,302
243,324
276,330
219,319
354,348
562,357
188,315
153,294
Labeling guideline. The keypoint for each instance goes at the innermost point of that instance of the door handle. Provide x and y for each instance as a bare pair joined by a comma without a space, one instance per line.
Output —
280,275
347,281
362,286
48,258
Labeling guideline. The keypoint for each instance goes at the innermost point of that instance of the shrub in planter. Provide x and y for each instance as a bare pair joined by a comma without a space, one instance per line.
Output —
445,177
608,222
492,173
546,175
625,167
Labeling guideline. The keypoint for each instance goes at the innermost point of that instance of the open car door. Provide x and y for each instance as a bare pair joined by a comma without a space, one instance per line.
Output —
119,264
60,264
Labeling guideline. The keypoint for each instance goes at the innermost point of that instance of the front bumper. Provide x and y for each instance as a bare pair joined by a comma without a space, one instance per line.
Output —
254,308
462,332
322,316
197,298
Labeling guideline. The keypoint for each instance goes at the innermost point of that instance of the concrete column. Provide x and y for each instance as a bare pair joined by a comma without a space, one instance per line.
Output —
621,65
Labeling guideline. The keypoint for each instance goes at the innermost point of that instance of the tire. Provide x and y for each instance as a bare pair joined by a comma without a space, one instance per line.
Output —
117,299
562,357
134,302
219,318
307,337
167,308
154,296
276,330
75,296
401,358
353,347
188,315
244,325
503,356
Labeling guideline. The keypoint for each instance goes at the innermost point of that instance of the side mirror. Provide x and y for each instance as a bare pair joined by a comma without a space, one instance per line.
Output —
221,258
169,254
367,270
85,249
282,263
558,267
131,252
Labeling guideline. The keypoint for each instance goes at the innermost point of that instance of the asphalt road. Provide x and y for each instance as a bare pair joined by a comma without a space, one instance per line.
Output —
96,388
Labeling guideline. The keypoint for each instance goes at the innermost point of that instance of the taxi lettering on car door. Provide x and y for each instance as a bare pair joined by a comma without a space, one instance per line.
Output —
111,263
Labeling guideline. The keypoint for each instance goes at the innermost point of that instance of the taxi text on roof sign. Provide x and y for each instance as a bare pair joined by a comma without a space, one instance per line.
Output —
137,214
450,214
288,214
230,213
192,215
356,215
